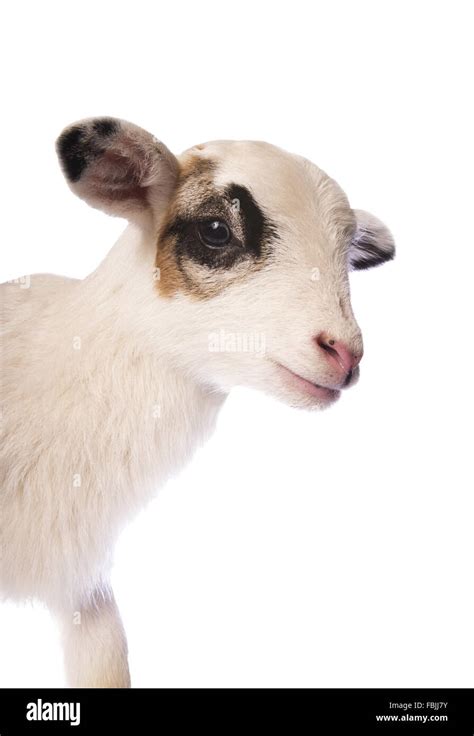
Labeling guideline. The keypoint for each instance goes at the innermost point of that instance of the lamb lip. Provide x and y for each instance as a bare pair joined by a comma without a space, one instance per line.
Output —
309,387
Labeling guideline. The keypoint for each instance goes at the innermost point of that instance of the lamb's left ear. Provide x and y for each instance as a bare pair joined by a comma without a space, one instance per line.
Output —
372,243
117,166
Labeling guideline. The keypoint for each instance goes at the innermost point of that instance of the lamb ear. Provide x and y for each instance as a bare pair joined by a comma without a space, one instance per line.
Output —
116,166
372,243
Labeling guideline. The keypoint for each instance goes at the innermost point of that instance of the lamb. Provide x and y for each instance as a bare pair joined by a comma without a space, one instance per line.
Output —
110,383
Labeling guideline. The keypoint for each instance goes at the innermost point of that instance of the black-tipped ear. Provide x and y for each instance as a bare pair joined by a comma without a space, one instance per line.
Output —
372,243
117,166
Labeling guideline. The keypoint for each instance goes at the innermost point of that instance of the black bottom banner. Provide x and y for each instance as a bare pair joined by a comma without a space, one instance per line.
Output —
218,711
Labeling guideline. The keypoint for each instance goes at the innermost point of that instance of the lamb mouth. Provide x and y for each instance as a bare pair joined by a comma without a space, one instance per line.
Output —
325,393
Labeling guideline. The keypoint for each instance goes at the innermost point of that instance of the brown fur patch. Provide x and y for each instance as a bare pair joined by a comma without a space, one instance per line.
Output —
195,190
194,179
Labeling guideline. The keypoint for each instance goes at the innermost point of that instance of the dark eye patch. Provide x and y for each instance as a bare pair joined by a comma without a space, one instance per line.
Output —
251,230
259,230
188,244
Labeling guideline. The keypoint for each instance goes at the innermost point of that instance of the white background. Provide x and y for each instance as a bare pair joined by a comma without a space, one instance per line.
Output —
298,549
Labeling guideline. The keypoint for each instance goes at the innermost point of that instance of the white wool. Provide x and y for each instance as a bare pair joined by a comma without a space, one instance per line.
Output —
109,387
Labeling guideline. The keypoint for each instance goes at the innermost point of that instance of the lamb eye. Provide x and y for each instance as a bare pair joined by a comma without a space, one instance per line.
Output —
214,233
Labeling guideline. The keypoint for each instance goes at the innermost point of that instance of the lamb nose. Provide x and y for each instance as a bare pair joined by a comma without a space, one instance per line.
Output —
338,352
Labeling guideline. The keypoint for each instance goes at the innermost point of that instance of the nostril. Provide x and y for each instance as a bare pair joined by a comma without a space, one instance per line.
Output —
338,352
324,342
327,344
328,348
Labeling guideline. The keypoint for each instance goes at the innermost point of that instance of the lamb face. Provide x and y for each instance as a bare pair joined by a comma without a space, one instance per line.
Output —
253,249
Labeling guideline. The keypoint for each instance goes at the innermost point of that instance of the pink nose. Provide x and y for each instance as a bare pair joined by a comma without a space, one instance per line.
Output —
338,353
